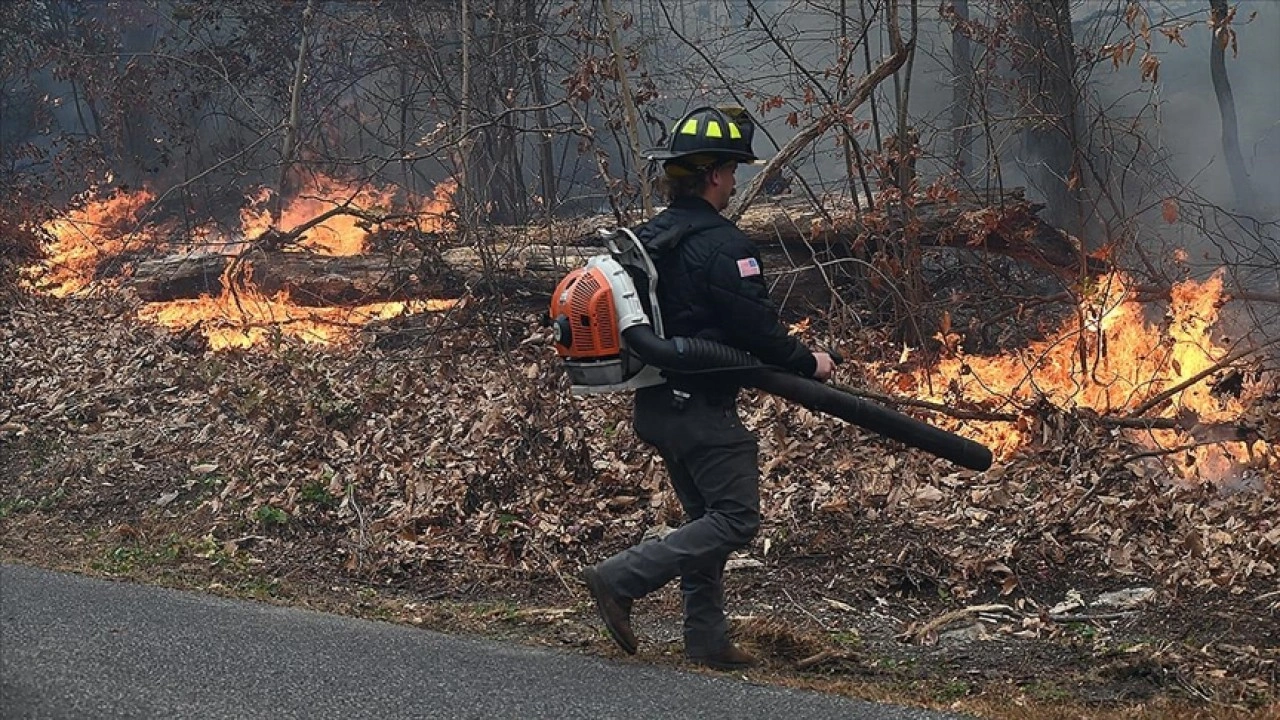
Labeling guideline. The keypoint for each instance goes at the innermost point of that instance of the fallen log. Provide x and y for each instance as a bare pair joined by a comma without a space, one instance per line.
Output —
536,260
537,257
178,276
319,280
1003,224
326,280
309,279
998,223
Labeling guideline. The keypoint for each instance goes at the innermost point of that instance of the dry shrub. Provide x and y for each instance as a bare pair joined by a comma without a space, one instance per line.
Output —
778,640
19,246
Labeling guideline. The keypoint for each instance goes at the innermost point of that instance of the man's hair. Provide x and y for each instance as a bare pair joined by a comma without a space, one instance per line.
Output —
688,177
683,186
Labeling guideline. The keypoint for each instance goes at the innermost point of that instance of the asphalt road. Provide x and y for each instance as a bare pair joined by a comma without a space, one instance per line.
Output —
83,648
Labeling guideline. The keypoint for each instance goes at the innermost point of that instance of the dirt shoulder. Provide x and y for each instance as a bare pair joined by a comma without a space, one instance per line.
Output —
811,632
454,487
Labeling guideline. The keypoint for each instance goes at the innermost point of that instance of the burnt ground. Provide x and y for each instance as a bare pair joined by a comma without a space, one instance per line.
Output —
454,487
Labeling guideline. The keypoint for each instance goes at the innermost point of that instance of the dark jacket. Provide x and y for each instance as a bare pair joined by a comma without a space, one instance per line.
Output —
711,285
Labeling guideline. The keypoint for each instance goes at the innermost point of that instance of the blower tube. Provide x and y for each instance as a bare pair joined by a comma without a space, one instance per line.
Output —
698,355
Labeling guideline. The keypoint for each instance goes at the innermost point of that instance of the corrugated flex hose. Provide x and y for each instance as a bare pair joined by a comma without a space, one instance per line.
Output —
698,355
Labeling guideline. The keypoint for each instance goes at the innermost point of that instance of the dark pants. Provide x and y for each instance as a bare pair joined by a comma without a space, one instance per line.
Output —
713,464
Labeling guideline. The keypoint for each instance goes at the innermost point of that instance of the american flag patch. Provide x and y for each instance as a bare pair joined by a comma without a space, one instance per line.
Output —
748,267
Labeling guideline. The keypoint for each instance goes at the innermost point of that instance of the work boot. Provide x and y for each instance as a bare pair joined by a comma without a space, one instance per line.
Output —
614,610
731,657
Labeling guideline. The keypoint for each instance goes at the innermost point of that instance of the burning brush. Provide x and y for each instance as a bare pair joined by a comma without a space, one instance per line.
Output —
1171,386
329,219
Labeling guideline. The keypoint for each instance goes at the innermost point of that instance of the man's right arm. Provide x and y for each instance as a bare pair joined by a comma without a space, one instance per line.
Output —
740,297
826,366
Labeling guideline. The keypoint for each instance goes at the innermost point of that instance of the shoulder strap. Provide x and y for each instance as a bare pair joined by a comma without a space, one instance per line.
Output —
670,238
631,254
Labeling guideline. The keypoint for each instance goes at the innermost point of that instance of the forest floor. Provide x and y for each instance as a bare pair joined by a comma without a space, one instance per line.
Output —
453,486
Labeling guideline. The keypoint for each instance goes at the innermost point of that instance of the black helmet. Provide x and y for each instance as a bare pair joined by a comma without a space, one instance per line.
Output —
708,136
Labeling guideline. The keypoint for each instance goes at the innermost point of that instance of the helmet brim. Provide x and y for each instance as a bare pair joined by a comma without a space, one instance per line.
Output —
662,154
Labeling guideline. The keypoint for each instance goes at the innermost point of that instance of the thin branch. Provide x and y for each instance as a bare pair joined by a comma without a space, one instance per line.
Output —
924,632
808,134
926,405
295,111
1167,394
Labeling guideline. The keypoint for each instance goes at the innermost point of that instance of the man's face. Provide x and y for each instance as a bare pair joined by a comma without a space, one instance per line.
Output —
723,185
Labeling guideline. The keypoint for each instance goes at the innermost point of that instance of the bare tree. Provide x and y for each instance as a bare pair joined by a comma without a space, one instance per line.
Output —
1223,36
1051,137
962,101
295,109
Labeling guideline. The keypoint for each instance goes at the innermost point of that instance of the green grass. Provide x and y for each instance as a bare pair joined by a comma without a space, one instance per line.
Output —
951,691
317,493
847,639
1047,692
22,504
271,516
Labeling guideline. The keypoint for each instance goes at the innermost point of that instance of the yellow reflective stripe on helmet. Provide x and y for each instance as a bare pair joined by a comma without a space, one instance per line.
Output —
734,132
690,127
713,129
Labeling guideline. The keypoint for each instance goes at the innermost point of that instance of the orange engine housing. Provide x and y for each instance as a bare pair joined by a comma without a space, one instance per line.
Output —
583,316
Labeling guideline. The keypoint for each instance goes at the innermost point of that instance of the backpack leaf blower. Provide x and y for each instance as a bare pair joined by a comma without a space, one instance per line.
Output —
603,332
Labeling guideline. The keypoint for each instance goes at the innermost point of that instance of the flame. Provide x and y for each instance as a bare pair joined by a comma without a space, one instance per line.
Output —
338,235
1107,358
241,316
86,237
342,235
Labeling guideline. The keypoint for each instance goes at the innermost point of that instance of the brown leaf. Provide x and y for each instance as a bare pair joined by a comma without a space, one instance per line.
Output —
927,495
837,505
1009,584
1169,210
1150,66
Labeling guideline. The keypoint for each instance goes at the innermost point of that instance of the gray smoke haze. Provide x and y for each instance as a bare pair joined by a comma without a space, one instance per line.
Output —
702,51
1179,113
1157,139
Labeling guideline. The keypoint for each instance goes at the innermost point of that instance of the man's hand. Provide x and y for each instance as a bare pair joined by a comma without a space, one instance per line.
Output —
826,366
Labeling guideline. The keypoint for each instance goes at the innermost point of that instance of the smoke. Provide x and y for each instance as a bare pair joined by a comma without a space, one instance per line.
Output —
696,52
1186,126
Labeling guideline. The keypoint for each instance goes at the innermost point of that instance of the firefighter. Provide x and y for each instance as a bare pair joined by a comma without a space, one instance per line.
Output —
710,285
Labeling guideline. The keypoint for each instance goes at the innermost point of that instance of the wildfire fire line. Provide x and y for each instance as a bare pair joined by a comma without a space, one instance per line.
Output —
111,224
1109,359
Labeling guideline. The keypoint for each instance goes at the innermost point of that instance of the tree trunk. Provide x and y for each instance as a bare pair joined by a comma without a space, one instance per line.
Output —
1051,139
295,111
462,158
962,88
1227,107
632,120
547,165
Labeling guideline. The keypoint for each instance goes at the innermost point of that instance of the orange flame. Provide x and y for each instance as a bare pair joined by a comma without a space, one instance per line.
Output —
242,316
1109,359
85,238
342,234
